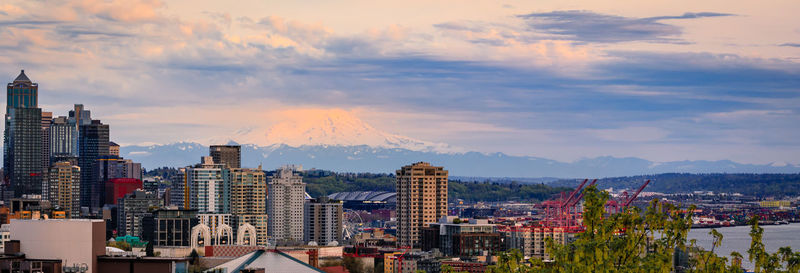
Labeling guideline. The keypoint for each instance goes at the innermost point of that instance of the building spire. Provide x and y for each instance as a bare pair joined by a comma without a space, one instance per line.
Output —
22,77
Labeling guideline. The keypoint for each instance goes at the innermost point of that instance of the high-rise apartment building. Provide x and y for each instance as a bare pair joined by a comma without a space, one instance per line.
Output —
249,200
22,138
208,187
228,155
285,205
421,199
63,188
248,191
323,221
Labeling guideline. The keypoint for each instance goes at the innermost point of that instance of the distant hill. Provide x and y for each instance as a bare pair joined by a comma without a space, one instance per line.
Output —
321,183
363,158
778,185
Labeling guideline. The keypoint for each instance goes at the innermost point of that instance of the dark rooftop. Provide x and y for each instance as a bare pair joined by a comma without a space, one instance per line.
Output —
22,77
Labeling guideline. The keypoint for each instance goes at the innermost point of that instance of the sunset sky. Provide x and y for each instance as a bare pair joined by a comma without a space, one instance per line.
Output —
660,80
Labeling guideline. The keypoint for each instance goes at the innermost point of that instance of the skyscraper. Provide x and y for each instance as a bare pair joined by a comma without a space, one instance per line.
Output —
47,118
65,133
92,144
63,139
249,200
285,205
64,187
421,199
228,155
208,187
22,138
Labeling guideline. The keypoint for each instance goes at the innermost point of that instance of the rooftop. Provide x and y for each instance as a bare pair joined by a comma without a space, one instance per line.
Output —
22,77
269,260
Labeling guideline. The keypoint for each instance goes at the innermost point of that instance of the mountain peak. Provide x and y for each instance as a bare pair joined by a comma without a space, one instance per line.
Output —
333,127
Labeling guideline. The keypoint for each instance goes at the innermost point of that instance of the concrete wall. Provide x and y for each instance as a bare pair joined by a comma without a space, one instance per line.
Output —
74,241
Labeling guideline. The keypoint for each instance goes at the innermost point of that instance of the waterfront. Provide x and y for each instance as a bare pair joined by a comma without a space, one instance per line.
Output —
738,239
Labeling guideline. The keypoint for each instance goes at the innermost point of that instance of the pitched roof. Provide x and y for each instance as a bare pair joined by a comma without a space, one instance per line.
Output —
22,77
269,260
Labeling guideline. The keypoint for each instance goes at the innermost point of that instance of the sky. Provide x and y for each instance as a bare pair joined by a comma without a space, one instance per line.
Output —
660,80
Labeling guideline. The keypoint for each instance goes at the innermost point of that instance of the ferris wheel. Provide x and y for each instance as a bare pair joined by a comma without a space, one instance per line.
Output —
351,223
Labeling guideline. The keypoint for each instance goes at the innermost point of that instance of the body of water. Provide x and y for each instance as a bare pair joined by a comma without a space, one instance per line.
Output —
738,239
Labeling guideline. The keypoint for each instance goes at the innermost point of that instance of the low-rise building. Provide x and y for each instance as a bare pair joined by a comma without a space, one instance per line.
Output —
173,227
133,208
76,242
455,238
531,240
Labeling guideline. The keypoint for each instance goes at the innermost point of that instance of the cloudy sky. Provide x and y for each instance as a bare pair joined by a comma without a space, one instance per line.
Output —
661,80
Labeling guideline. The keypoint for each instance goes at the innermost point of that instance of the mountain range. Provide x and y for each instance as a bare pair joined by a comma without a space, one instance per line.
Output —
363,158
338,140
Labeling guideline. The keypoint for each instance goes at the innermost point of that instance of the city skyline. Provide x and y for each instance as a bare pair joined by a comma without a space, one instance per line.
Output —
556,80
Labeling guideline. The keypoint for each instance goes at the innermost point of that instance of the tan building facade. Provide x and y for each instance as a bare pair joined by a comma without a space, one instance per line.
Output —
249,200
421,199
63,188
248,191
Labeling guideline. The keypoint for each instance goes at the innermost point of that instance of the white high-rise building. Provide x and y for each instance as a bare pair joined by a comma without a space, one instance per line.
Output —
208,187
286,195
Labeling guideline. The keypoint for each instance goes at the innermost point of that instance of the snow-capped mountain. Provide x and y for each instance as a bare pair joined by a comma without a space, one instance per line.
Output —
329,127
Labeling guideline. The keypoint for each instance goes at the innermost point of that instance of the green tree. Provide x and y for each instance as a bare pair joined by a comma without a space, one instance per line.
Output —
636,241
354,265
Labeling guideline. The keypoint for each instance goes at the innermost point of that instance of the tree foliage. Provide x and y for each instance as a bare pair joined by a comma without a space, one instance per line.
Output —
120,244
649,241
354,265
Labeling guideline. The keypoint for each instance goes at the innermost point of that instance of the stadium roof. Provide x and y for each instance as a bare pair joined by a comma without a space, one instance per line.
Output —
373,196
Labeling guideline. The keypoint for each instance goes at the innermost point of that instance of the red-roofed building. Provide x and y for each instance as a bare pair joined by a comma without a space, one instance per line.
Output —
118,187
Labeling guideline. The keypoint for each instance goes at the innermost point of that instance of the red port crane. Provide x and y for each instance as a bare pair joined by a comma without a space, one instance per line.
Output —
572,195
575,202
630,200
